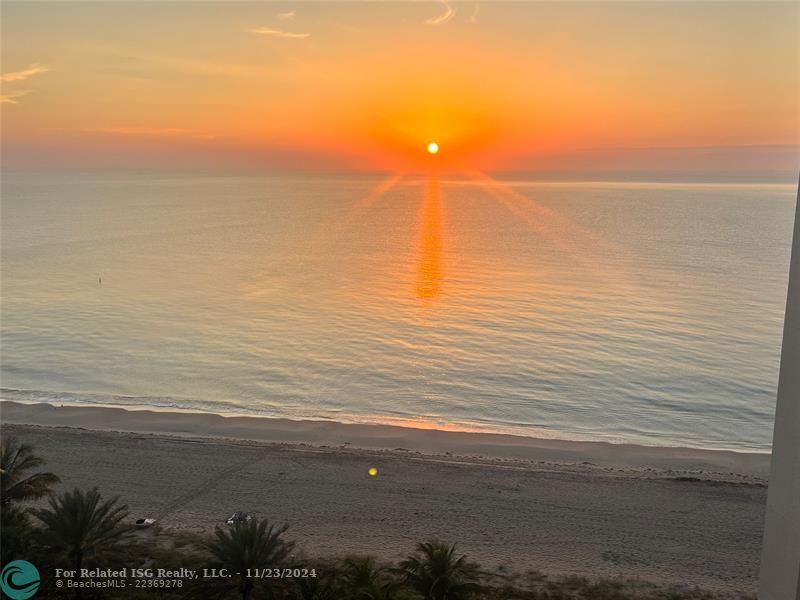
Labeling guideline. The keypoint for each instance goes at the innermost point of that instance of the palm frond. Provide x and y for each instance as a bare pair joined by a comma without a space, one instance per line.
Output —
16,461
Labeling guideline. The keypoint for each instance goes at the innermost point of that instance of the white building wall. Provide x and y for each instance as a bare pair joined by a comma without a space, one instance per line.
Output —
780,559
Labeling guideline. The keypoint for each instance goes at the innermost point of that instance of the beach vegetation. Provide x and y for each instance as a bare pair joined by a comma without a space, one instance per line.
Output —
17,481
437,572
82,529
248,548
364,578
323,587
20,482
16,532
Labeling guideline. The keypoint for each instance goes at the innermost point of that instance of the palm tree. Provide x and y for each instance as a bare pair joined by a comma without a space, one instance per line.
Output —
16,528
322,587
83,527
437,574
16,461
363,579
386,590
246,546
360,571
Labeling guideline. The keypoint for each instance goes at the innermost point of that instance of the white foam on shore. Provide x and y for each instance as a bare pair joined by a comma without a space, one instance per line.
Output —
190,407
720,464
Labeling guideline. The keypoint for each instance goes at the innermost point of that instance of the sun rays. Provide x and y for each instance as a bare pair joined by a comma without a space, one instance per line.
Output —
574,242
337,228
550,224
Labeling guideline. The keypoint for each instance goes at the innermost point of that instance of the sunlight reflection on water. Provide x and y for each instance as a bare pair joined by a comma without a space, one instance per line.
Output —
641,313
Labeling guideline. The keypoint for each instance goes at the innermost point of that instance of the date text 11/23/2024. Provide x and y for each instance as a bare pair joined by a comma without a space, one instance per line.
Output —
184,573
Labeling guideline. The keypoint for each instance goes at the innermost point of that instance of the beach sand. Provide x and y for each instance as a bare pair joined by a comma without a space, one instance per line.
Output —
670,515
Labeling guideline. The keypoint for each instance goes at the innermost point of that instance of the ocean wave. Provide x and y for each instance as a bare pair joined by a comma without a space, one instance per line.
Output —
390,418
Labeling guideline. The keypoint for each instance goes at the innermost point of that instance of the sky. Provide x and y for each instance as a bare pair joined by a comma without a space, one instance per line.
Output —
597,89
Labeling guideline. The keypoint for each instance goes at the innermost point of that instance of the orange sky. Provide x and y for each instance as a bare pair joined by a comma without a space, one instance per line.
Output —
500,86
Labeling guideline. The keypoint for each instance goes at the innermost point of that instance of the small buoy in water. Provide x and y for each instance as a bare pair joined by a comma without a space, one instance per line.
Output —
372,471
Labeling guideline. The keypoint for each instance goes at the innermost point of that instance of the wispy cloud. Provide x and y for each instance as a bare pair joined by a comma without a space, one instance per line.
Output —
278,33
34,69
285,16
449,13
11,97
473,18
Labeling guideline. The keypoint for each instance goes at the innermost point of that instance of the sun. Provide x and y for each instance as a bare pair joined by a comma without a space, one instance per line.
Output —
433,148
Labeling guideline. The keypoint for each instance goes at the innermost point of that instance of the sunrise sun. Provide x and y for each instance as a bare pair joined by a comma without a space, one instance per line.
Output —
433,148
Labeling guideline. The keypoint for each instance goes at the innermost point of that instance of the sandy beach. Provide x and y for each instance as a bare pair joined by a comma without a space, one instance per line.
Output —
670,515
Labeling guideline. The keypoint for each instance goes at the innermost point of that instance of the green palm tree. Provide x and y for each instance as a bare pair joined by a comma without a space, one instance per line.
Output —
364,579
246,546
322,587
436,573
82,527
17,460
386,590
360,571
16,528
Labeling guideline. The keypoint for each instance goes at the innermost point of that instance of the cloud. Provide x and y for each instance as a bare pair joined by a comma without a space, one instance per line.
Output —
34,69
10,98
286,16
278,33
449,13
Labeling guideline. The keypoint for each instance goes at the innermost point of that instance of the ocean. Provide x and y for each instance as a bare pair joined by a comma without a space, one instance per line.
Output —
633,312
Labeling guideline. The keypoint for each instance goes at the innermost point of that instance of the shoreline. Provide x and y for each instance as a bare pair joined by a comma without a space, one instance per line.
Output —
632,459
53,399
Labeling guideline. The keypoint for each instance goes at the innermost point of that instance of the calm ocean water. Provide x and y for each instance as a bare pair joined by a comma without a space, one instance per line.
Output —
647,313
